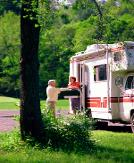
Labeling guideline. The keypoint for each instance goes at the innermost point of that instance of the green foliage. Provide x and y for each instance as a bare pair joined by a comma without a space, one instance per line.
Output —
9,5
10,142
9,52
119,29
70,134
125,7
46,13
55,51
84,9
83,35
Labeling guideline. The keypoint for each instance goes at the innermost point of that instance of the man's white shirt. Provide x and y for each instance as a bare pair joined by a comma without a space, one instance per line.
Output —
52,93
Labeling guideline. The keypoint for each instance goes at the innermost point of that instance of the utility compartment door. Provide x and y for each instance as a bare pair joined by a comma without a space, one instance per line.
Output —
122,97
127,100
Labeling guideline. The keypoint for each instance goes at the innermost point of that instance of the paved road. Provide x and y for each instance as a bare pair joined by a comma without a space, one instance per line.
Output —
7,121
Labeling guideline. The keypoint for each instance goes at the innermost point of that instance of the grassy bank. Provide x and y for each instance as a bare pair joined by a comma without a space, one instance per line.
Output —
110,147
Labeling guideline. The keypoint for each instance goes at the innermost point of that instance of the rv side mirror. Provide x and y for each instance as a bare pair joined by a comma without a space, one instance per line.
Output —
119,82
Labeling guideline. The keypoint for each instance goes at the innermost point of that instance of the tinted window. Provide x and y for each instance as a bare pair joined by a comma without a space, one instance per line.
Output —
100,73
117,56
130,83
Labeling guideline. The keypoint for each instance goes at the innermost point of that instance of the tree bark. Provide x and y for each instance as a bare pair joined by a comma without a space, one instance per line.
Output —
100,25
30,113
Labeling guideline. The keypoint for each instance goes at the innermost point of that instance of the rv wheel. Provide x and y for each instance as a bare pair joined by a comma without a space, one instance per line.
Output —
132,122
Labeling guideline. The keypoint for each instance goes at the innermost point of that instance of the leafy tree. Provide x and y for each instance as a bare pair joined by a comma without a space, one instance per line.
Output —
9,5
84,9
46,13
9,54
83,36
63,32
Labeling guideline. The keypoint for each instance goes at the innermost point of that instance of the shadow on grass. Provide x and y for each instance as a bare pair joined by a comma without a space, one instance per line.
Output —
103,154
111,154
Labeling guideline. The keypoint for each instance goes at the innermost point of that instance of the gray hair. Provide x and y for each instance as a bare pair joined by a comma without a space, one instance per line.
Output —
49,82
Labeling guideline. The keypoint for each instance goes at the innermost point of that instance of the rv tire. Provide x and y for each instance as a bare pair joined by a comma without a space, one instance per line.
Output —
132,122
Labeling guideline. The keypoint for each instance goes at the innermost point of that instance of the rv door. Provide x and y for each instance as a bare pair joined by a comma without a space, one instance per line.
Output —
82,83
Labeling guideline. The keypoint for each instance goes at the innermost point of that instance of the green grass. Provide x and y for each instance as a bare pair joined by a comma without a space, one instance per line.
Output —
8,103
111,147
63,104
7,99
12,103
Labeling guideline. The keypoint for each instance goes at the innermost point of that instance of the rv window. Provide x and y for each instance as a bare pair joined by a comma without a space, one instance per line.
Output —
130,83
119,81
100,73
117,56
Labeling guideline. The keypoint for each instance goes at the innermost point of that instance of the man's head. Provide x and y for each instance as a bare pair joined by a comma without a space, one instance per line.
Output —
52,83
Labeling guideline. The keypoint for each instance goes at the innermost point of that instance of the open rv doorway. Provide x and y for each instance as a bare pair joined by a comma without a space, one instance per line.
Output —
83,78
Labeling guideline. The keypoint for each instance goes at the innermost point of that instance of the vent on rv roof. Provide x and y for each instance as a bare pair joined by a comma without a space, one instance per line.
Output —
95,47
79,53
129,43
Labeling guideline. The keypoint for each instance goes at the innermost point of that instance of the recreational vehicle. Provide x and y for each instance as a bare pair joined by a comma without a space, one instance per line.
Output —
106,75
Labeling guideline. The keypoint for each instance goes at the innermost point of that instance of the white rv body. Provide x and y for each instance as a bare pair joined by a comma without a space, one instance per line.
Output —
106,75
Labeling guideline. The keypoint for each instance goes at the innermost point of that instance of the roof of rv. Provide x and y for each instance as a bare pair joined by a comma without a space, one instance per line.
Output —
97,48
91,49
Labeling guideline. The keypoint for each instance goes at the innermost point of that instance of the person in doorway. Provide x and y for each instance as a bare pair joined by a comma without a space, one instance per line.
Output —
52,96
75,102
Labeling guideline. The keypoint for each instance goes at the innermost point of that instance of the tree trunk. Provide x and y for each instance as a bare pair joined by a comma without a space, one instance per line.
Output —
30,114
98,8
100,25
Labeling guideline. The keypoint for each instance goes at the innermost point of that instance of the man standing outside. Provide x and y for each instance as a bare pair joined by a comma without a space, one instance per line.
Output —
52,95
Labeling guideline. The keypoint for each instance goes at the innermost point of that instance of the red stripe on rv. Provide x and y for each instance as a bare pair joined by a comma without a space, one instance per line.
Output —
105,102
122,99
126,99
96,101
114,99
117,49
93,102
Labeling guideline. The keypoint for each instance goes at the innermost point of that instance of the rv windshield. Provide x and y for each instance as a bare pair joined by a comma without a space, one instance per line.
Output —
130,83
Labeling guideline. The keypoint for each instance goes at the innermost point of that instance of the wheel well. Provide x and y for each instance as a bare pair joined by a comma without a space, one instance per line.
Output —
132,112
